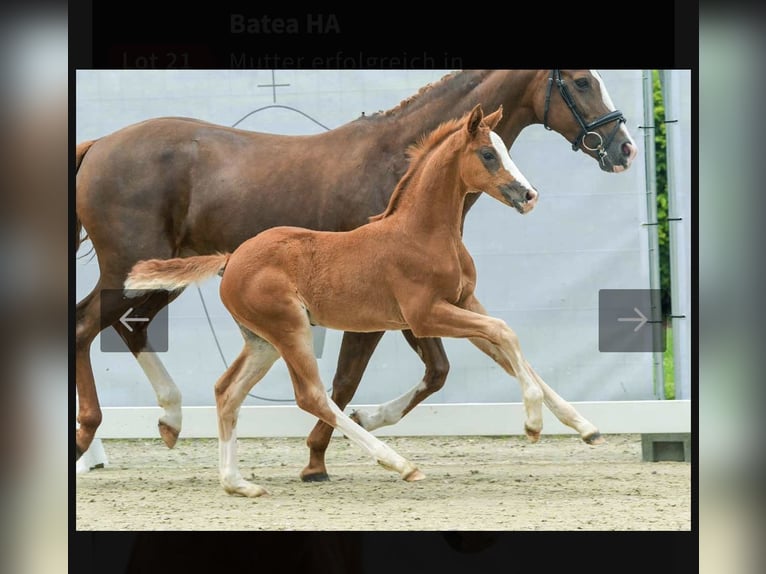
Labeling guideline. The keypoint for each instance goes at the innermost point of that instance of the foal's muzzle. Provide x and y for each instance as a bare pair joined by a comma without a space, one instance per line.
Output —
522,198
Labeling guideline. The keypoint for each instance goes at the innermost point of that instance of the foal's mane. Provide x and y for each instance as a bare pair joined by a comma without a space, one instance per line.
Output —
416,154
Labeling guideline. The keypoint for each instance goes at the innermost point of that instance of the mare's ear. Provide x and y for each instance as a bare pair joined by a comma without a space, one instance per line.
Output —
474,120
492,119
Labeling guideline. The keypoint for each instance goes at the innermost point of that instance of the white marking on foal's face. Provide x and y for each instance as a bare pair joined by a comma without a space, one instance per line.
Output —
506,160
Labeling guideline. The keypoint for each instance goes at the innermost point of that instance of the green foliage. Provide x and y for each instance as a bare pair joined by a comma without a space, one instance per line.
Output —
661,172
667,365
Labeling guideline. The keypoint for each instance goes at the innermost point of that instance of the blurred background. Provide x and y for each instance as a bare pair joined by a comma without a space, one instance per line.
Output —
731,280
33,290
34,450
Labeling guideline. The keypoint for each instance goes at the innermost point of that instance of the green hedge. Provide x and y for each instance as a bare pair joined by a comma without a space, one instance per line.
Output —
662,192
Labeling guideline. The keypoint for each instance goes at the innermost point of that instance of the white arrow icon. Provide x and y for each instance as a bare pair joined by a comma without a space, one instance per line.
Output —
124,319
641,319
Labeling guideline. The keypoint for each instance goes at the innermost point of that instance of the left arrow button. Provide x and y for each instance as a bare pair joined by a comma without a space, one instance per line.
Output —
125,320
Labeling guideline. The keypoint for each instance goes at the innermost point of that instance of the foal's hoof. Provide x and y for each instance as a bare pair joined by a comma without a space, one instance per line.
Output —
169,434
315,477
532,435
414,476
247,490
594,439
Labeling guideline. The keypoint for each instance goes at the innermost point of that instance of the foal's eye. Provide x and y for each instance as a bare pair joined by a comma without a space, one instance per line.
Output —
488,155
581,83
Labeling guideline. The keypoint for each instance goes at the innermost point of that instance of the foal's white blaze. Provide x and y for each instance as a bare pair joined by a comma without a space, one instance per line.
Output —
505,158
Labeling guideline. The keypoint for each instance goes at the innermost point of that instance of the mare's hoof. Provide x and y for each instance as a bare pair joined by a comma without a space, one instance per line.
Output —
354,416
78,452
594,439
169,434
315,477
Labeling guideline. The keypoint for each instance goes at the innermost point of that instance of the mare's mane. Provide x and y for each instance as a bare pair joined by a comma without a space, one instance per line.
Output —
416,154
411,99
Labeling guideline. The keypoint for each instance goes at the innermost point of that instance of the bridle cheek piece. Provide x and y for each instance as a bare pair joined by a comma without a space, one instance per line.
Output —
585,128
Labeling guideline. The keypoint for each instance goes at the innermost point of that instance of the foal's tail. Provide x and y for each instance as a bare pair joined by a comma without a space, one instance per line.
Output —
173,274
80,151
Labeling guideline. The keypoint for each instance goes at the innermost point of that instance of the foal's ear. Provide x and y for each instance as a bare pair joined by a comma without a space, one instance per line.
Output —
492,119
474,120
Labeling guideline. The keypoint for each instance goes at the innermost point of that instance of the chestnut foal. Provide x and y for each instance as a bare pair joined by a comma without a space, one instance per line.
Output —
406,269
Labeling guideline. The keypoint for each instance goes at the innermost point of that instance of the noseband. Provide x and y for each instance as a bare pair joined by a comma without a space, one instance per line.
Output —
585,129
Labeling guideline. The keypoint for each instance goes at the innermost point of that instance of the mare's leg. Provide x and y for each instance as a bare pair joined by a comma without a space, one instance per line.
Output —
89,411
248,368
355,352
88,320
443,319
168,393
563,411
431,351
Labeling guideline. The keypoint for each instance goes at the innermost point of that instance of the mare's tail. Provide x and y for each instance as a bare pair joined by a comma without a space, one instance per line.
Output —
80,151
173,274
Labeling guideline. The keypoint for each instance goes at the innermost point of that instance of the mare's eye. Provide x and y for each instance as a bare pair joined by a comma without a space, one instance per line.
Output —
581,83
488,155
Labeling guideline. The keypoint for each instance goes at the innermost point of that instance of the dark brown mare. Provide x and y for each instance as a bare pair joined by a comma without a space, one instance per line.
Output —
173,186
407,269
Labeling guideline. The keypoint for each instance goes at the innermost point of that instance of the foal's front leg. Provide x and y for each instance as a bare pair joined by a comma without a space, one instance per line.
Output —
563,411
442,319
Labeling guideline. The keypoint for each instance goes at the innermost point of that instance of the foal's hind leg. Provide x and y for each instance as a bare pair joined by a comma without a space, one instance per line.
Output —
296,349
355,352
431,351
248,368
168,393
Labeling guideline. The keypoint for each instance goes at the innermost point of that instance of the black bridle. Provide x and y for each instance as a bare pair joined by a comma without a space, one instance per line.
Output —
585,129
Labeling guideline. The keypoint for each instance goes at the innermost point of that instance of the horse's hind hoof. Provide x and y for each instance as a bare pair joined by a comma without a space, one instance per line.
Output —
594,439
316,477
169,434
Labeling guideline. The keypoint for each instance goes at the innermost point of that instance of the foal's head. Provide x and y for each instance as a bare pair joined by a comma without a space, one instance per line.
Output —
486,165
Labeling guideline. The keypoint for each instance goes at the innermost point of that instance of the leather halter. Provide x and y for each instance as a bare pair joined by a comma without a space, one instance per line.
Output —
586,129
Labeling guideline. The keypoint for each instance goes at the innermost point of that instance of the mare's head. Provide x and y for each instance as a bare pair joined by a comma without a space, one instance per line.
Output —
486,165
577,104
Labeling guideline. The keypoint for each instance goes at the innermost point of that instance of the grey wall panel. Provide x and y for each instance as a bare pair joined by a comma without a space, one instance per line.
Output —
540,273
